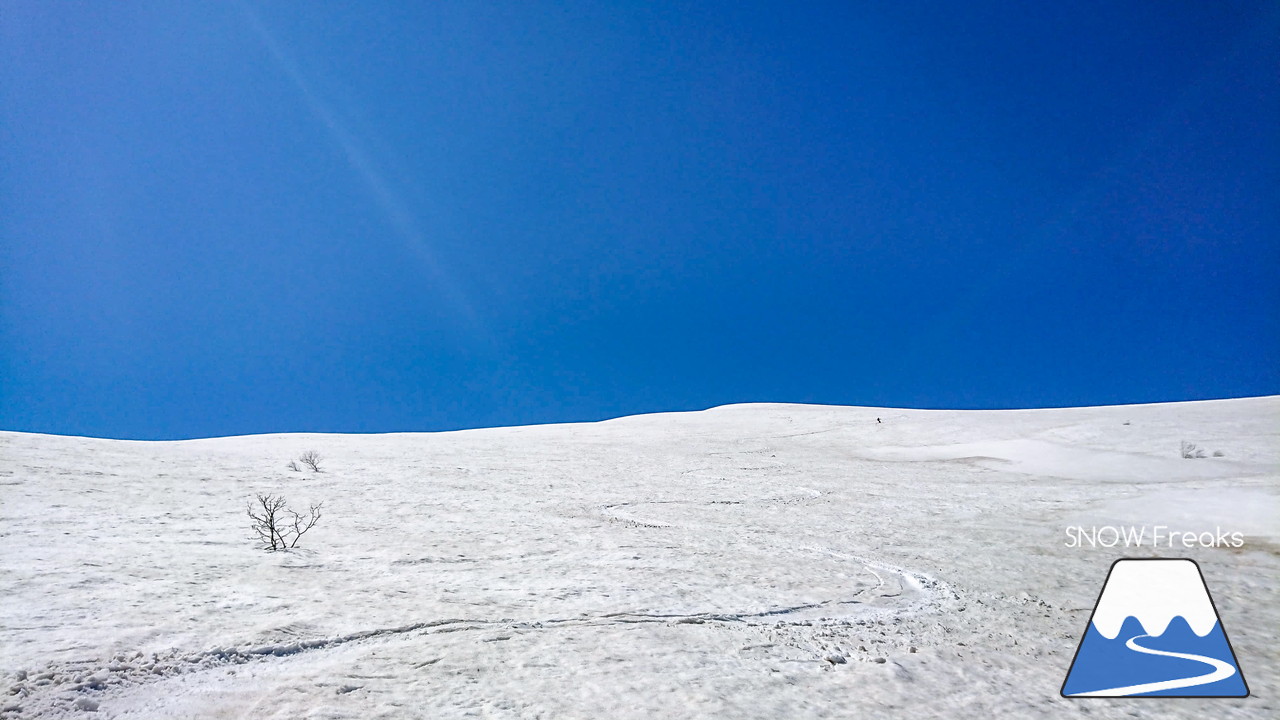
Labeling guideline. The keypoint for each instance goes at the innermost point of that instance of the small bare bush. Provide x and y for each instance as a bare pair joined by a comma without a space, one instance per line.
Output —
276,526
311,459
293,465
1190,451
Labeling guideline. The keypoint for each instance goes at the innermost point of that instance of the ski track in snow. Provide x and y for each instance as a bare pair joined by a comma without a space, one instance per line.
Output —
79,685
796,495
82,685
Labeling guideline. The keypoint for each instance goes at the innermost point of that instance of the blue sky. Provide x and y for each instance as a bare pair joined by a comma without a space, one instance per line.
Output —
226,218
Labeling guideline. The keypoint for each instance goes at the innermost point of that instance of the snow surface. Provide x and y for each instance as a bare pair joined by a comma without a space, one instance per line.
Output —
749,561
1154,592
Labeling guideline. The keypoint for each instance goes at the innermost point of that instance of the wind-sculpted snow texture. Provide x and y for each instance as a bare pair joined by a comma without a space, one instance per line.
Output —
750,561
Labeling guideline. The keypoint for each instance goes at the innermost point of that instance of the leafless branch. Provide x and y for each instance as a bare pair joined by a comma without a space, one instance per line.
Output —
311,459
271,526
301,525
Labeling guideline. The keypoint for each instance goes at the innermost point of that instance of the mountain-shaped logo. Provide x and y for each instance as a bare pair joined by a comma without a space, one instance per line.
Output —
1154,633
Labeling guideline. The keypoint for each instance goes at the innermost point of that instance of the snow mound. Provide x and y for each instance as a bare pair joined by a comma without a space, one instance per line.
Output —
1056,459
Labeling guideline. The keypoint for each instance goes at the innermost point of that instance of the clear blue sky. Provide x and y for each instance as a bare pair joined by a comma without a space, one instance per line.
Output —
222,218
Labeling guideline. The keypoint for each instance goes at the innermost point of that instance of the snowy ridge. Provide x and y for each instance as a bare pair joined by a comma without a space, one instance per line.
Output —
1154,592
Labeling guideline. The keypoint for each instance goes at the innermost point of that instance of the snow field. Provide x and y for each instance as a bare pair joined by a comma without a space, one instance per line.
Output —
746,561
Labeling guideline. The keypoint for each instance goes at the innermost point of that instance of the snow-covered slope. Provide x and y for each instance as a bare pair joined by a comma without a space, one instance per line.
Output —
747,561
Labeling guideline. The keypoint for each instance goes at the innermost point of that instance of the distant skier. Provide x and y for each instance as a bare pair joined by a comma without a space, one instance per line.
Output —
877,421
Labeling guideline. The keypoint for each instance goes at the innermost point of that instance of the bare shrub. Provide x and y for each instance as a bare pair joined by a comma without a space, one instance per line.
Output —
276,526
293,465
1190,451
311,459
